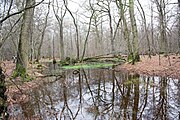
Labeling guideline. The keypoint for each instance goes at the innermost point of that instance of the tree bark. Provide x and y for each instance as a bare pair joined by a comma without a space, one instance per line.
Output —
23,46
134,32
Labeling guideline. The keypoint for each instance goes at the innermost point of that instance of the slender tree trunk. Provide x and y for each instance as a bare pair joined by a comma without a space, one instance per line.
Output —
86,40
111,29
62,56
146,30
179,26
76,27
60,22
152,30
23,46
42,35
98,39
53,45
101,38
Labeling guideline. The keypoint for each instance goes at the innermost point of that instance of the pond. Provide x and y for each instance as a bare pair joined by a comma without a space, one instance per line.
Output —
102,94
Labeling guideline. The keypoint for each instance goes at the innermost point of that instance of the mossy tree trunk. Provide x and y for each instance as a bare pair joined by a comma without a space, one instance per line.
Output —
23,46
126,34
135,54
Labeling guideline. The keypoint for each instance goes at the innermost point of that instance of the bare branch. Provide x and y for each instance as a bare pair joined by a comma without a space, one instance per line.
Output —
10,15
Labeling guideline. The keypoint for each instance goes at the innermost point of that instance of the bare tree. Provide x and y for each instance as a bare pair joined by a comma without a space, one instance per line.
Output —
121,8
161,7
60,19
105,7
76,27
42,34
145,28
89,27
8,15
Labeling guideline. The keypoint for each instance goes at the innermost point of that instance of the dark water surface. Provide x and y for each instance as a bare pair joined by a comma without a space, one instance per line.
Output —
103,94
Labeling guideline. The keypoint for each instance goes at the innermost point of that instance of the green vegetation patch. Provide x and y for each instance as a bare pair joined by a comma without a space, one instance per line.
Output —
21,72
88,66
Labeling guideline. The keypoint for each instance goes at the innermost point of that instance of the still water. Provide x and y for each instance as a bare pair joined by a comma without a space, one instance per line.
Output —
103,94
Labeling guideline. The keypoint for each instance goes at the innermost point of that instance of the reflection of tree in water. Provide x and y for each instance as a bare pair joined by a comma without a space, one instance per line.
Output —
113,100
69,114
106,94
178,96
161,107
160,100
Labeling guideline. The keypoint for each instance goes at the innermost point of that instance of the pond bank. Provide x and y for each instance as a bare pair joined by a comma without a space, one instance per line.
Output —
151,66
147,66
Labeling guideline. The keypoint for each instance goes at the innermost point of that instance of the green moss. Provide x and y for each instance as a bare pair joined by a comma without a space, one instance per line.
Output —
133,58
87,66
21,72
68,61
130,57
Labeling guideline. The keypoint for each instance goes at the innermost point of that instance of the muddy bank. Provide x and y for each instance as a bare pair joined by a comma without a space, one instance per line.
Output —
168,67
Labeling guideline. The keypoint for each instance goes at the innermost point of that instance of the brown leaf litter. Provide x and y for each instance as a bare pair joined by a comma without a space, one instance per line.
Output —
168,67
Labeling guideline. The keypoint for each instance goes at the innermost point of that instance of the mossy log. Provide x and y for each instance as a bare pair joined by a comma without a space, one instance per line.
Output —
107,58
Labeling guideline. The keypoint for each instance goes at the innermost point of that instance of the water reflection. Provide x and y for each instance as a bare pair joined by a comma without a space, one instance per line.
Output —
102,94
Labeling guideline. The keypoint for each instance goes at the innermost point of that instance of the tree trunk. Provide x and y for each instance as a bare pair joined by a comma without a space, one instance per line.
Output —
62,56
161,5
23,46
60,22
76,27
42,35
134,32
179,26
125,31
152,30
136,97
88,32
145,28
111,29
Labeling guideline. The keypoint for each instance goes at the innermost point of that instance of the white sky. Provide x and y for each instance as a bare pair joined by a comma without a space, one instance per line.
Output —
78,6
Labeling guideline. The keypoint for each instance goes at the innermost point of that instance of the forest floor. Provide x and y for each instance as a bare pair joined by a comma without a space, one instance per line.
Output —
165,67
